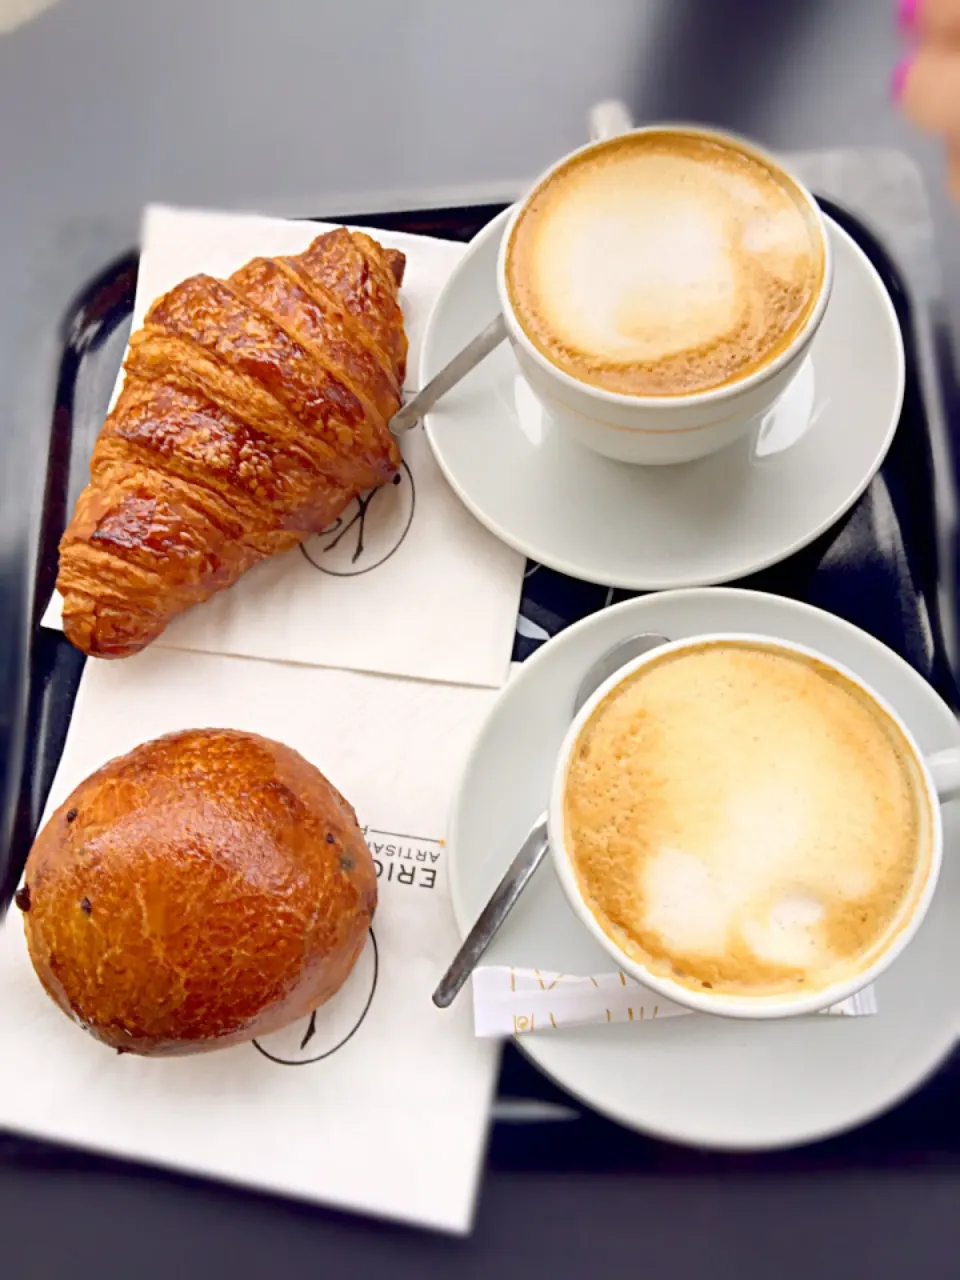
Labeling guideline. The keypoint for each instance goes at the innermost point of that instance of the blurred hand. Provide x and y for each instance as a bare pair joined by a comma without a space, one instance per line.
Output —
927,81
13,13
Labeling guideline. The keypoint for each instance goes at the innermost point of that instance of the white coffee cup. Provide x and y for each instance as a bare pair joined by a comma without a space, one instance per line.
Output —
659,430
939,778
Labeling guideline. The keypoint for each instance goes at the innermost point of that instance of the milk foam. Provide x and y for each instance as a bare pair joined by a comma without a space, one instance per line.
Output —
663,264
743,821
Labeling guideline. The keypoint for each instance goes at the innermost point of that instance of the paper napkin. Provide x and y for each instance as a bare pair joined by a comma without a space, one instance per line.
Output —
407,582
509,1001
379,1104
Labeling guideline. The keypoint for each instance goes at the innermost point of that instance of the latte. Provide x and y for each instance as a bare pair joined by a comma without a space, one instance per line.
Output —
744,821
664,263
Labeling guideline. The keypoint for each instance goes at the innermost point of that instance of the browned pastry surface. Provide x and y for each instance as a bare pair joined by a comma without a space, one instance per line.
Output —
206,888
253,410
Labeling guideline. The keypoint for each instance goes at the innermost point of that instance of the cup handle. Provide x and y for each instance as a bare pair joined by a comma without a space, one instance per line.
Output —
944,769
608,120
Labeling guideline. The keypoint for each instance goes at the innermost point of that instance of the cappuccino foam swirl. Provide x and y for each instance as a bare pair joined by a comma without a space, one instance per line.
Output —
664,263
744,821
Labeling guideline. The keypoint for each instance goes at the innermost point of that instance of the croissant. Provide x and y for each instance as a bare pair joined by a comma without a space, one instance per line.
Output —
253,410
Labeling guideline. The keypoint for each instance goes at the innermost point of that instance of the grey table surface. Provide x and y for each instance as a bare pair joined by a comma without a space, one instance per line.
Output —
304,106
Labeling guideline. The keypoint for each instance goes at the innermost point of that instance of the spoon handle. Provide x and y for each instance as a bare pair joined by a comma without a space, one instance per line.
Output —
448,377
493,914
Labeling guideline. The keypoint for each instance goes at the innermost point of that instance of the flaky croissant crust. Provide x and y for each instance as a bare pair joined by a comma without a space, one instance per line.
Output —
253,410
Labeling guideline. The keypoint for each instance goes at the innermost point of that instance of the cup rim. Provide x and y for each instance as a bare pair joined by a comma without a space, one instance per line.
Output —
753,1008
711,395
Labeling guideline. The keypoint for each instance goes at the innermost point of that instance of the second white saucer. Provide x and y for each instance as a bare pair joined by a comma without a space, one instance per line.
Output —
650,528
709,1081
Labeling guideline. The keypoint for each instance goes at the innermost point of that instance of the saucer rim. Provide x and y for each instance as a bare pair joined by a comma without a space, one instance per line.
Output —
527,1044
665,581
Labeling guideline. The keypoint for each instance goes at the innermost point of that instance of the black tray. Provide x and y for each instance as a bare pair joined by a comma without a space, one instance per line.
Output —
878,568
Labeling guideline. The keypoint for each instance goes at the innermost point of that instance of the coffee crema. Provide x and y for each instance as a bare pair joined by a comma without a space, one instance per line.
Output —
744,821
664,263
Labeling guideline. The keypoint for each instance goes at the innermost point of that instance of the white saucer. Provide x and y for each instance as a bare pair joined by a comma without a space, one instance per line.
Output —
699,1079
649,528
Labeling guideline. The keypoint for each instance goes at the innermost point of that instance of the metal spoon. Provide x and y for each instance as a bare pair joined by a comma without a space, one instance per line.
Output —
606,120
534,847
476,350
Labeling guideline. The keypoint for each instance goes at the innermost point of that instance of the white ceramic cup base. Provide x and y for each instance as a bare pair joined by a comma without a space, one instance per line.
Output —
668,446
773,431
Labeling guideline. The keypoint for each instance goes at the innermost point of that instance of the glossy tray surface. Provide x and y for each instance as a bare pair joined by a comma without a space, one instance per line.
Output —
878,568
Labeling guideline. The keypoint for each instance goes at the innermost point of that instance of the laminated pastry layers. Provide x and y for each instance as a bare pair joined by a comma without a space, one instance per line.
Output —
253,410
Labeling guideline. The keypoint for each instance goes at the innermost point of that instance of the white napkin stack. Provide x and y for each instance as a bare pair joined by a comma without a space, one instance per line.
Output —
509,1001
381,1102
394,1121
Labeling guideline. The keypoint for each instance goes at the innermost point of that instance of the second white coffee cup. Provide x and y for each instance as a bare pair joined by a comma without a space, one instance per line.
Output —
939,780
